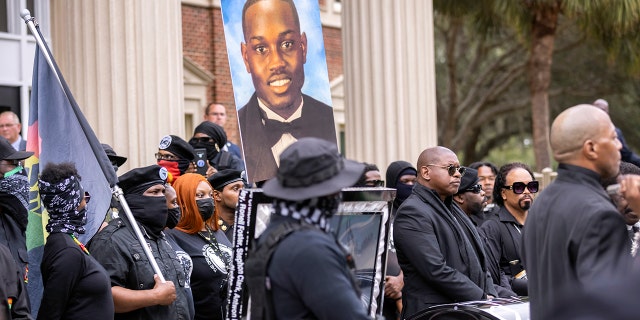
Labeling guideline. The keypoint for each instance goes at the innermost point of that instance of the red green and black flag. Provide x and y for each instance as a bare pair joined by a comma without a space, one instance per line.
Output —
58,132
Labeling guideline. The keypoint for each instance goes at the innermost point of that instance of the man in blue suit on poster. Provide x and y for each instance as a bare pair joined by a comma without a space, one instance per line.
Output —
278,113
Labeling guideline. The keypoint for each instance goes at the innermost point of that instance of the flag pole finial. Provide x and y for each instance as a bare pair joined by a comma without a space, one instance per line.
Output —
26,15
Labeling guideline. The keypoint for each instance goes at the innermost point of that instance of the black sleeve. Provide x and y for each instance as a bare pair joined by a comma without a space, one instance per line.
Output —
107,251
492,240
60,275
12,287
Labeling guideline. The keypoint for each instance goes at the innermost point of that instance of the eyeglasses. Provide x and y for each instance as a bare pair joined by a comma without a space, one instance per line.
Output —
518,187
195,140
168,157
475,189
451,169
374,183
10,125
87,197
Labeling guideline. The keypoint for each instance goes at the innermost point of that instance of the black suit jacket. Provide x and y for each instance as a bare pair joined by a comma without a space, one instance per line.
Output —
441,263
573,236
317,119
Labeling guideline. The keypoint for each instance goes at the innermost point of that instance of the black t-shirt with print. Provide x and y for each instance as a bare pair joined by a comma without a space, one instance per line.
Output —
209,274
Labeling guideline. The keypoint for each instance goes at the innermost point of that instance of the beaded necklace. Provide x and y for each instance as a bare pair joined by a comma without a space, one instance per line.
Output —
84,249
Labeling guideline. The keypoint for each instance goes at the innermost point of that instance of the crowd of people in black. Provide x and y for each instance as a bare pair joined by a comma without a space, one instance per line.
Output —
453,238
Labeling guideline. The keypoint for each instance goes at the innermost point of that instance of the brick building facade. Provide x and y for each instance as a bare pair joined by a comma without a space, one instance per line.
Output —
204,44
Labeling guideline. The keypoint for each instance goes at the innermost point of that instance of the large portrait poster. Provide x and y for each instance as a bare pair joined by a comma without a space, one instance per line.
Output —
280,79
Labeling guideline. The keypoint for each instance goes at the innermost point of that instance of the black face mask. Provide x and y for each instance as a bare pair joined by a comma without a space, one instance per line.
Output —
151,212
206,208
403,192
173,217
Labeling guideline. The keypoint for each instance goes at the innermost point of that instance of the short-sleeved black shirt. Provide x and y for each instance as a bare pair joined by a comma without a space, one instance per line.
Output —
209,274
76,286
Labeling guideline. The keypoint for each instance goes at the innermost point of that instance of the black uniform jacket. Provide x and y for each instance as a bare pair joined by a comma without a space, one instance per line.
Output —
573,236
441,263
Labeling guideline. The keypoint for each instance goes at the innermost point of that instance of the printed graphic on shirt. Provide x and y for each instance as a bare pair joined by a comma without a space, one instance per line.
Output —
187,265
213,260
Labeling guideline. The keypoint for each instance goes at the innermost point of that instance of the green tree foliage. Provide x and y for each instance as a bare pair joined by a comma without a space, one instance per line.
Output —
494,67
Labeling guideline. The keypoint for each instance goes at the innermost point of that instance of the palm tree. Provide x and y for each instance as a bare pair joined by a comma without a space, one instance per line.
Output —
615,24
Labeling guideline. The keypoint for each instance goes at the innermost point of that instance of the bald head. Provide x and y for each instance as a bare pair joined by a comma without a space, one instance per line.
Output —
433,172
433,155
573,127
602,104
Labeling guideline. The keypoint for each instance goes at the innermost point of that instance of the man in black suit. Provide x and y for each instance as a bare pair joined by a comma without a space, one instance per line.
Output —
439,250
278,114
574,235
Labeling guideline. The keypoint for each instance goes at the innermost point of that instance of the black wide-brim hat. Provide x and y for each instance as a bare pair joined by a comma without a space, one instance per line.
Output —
311,168
7,152
113,157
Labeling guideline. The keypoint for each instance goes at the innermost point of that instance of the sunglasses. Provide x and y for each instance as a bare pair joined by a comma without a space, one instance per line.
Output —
195,140
518,187
451,169
475,189
87,197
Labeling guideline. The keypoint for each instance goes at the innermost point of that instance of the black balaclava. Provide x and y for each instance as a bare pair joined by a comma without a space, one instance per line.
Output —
215,132
149,211
396,170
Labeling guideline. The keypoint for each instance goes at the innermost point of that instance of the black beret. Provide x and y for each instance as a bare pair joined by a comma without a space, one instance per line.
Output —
178,147
214,131
138,180
224,177
468,180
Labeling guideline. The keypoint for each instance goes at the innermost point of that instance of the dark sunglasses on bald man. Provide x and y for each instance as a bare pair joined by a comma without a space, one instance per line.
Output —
451,169
518,187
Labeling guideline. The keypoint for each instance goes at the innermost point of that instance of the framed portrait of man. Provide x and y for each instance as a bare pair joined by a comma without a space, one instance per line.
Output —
280,79
361,225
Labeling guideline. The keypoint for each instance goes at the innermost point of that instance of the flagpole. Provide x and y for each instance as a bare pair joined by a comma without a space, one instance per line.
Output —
116,190
29,20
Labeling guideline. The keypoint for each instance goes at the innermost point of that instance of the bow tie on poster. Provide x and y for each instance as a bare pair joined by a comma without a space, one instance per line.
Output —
275,129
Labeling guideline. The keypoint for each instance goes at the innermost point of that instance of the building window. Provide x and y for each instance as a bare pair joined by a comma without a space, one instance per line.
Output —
10,99
4,22
337,6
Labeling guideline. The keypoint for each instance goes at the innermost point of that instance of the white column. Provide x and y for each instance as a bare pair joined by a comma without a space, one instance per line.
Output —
390,102
122,60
